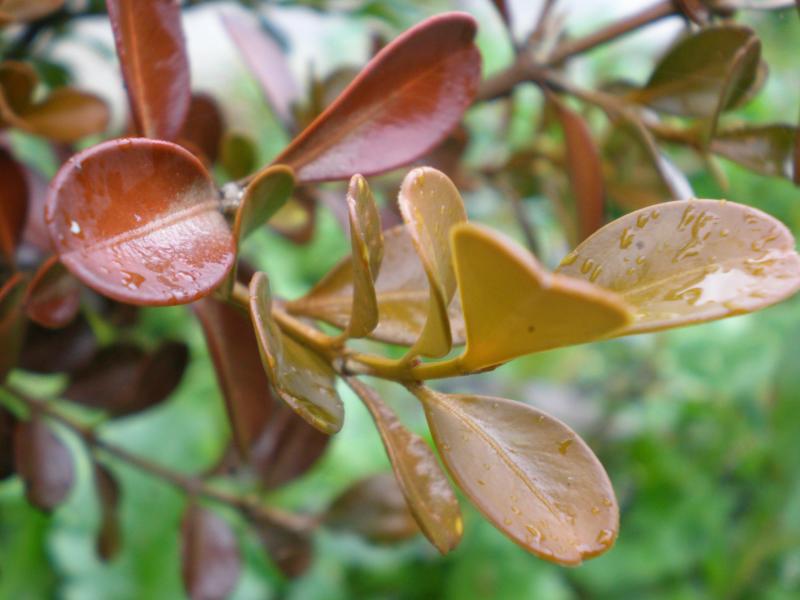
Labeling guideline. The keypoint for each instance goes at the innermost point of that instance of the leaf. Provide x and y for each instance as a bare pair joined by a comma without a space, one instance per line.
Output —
263,197
425,487
44,463
138,220
29,10
690,262
681,84
152,56
532,476
210,557
742,76
53,296
13,204
238,154
584,168
431,206
268,62
8,422
109,540
58,350
12,323
291,551
296,219
203,127
304,380
505,13
401,289
512,306
375,509
65,115
406,100
767,149
694,10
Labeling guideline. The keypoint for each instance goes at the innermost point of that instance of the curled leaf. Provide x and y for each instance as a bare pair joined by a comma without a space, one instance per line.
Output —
138,220
533,477
211,561
689,262
152,55
44,463
767,149
53,296
425,487
512,306
406,100
304,380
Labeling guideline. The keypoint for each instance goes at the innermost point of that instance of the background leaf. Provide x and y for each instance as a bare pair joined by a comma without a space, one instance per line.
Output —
43,462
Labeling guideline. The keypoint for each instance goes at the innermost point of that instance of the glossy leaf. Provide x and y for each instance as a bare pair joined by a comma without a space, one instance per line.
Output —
13,204
768,149
58,350
425,487
406,100
152,56
532,476
431,206
267,61
210,556
234,351
44,463
290,550
303,379
238,154
263,197
53,296
8,423
28,10
203,127
402,293
584,168
138,220
681,84
12,323
512,306
375,509
108,493
690,262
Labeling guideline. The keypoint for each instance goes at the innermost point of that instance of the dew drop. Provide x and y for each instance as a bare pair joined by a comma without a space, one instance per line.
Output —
564,445
605,536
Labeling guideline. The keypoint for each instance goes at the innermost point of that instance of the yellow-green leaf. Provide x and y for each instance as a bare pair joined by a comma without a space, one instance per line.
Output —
402,294
424,485
301,377
512,306
690,261
532,476
431,206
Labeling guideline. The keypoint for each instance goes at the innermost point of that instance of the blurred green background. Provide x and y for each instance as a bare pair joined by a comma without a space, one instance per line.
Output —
698,428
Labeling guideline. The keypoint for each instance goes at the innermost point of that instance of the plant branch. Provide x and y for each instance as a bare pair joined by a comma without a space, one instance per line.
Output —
192,486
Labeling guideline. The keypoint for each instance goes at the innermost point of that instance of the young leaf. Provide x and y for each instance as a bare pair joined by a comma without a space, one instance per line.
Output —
53,296
304,381
108,492
263,197
584,168
512,306
406,100
234,351
375,509
425,487
268,62
44,463
767,149
210,557
401,289
12,323
683,85
238,154
532,476
152,56
431,206
138,220
690,262
13,204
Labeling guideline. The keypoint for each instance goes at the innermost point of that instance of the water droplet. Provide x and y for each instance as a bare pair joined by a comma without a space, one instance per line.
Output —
481,482
605,536
569,259
587,266
607,502
516,510
536,535
507,521
564,445
132,280
595,510
626,238
595,273
75,229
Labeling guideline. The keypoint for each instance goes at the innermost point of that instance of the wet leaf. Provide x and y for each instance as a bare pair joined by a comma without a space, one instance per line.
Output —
768,149
53,295
203,127
291,551
13,204
211,560
425,487
152,56
8,423
109,540
402,293
12,323
263,197
238,155
138,220
28,10
267,62
533,477
58,350
44,463
683,85
584,168
690,262
375,509
302,378
406,100
512,306
431,206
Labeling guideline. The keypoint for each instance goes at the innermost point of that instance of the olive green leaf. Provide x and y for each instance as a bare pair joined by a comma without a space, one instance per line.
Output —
263,197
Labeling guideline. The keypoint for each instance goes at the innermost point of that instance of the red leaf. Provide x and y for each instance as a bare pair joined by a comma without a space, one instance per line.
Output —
203,127
58,350
138,220
53,296
211,561
44,463
152,55
291,551
13,204
404,102
12,323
